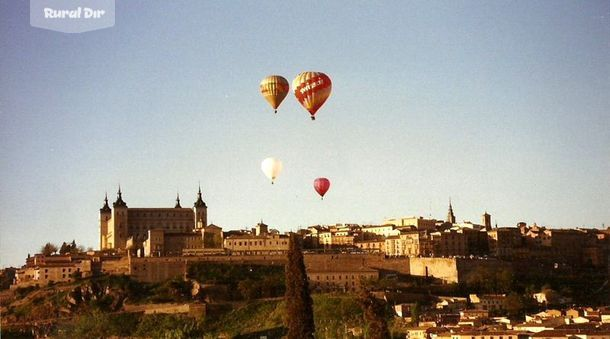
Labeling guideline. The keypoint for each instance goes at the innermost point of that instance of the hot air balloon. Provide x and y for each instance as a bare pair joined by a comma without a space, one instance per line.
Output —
312,89
272,168
274,88
321,185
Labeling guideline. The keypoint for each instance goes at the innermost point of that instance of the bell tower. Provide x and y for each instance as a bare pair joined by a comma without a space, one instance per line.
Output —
118,236
487,221
201,212
105,215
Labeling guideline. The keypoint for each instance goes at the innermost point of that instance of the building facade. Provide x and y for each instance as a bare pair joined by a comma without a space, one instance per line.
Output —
122,227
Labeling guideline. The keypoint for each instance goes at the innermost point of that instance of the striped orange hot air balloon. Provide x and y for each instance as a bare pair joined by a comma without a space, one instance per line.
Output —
274,88
312,89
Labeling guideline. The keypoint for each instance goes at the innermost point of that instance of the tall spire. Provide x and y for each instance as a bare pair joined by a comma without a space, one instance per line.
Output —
199,202
119,200
450,215
105,208
178,201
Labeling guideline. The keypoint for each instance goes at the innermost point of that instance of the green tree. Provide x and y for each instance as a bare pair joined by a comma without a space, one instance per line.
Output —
505,278
65,248
248,289
513,304
415,312
6,278
299,305
48,249
374,315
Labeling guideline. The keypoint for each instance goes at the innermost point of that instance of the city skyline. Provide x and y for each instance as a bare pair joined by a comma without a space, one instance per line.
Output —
502,107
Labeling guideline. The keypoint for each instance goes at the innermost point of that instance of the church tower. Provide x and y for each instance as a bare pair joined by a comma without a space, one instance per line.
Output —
105,215
201,212
118,238
450,215
487,221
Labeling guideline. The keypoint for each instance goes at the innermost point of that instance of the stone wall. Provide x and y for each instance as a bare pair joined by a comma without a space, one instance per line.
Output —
442,268
451,270
196,310
156,269
355,261
120,266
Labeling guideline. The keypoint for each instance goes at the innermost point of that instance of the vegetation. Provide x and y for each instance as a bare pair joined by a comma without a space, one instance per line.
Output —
6,278
92,307
490,280
375,316
244,318
48,249
71,248
333,314
299,305
242,281
415,313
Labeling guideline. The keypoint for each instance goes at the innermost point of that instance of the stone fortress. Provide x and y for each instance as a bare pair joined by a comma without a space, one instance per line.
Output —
157,231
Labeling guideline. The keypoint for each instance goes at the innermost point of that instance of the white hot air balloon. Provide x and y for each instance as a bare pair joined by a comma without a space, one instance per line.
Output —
272,168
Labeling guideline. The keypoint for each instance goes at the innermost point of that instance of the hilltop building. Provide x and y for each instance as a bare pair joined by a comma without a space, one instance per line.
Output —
157,231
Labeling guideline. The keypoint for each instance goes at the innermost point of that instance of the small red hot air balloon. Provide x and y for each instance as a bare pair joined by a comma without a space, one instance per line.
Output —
321,185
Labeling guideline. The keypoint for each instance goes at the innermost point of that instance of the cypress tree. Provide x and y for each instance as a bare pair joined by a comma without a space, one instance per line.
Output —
299,305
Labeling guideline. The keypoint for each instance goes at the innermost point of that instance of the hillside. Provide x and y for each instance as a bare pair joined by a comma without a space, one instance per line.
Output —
99,308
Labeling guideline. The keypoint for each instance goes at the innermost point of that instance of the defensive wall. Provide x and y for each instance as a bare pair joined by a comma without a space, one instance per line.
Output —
348,262
445,269
155,269
449,270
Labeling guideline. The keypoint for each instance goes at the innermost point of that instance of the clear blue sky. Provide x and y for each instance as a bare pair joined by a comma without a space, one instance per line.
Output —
502,105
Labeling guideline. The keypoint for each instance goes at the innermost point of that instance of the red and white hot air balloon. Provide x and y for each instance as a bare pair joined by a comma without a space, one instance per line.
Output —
311,90
321,185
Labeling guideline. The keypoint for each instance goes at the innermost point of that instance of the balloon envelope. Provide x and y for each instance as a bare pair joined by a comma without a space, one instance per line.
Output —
272,168
312,89
321,185
274,88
